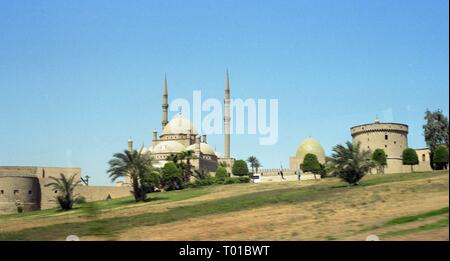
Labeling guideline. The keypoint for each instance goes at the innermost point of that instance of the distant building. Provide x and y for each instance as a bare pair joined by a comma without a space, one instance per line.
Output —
393,139
180,135
23,188
308,146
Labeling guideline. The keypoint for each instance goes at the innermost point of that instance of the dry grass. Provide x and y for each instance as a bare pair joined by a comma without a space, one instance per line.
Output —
349,214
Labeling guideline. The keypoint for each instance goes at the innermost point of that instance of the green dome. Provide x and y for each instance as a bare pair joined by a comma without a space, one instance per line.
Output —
312,146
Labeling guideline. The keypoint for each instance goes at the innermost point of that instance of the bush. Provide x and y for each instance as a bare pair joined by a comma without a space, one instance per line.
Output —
379,157
440,157
171,177
208,181
80,200
240,168
311,164
221,173
410,158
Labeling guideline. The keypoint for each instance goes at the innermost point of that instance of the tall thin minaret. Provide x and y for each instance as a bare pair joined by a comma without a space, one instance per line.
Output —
165,104
227,117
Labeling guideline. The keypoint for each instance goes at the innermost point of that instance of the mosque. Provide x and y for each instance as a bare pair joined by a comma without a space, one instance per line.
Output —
180,135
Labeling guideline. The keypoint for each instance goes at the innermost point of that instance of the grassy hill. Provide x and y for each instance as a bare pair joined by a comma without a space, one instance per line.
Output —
395,207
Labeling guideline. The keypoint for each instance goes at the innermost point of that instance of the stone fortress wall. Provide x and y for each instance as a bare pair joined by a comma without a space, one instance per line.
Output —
393,139
26,187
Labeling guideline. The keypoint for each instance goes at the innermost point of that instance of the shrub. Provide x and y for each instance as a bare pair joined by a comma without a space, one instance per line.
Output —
221,173
208,181
243,179
240,168
440,157
80,200
410,158
171,177
311,164
379,157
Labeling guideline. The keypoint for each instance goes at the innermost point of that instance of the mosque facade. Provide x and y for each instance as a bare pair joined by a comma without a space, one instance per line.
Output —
179,135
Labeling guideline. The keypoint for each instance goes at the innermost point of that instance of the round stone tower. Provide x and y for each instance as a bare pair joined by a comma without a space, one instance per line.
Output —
391,137
19,192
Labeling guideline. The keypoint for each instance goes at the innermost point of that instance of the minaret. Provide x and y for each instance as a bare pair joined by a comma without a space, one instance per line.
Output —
130,145
130,149
197,147
227,118
165,104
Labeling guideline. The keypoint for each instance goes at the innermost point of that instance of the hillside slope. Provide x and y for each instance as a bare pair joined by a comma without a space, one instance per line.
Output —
394,207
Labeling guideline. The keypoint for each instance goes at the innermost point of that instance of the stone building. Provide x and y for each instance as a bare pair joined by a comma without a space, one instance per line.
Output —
180,135
393,139
308,146
24,188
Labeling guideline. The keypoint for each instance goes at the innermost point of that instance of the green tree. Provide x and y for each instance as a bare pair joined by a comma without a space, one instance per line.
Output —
135,165
440,157
183,162
171,176
410,158
379,157
257,165
65,188
311,164
252,160
240,168
350,163
435,130
221,173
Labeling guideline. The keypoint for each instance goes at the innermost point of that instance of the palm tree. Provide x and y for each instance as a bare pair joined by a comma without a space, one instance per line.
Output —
135,165
183,161
257,165
64,187
252,160
350,163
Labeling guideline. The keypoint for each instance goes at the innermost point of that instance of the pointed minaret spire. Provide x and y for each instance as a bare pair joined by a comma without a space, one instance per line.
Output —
165,104
227,117
227,85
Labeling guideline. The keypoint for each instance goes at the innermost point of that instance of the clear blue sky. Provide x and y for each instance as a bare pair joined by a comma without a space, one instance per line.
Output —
77,78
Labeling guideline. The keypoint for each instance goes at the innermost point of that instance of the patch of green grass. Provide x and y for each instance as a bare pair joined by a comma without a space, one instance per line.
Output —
409,219
371,180
436,225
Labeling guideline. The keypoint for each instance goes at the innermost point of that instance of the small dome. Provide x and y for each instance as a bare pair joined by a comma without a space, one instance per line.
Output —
204,148
168,147
218,154
312,146
179,125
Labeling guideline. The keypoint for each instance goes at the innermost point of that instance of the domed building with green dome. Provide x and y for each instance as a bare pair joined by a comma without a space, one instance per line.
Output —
309,145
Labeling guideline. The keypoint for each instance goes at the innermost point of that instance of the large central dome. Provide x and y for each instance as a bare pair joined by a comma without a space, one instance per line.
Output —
179,125
312,146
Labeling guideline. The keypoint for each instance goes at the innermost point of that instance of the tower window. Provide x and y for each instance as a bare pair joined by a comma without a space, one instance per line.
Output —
423,157
30,192
385,146
2,192
386,137
16,191
395,142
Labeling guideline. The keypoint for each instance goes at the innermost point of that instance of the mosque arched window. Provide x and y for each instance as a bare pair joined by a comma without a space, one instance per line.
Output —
423,157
